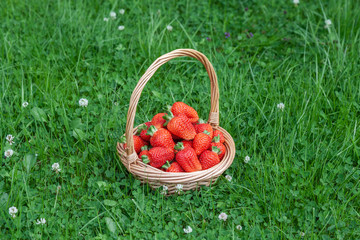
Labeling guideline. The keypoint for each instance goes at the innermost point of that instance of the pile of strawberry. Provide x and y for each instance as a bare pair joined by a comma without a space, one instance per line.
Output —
178,142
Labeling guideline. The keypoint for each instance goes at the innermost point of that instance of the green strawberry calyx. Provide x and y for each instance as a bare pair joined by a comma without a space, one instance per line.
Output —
145,147
145,159
168,117
201,121
152,129
179,146
166,165
142,127
216,139
216,150
206,132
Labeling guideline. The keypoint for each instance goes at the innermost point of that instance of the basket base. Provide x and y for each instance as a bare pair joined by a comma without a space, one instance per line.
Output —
189,180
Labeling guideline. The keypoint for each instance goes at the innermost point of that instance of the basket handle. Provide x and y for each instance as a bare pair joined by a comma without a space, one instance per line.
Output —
214,110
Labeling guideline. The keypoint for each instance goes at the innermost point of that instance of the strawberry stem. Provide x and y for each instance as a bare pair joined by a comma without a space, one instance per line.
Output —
145,147
145,159
152,129
216,139
206,132
166,165
142,127
168,117
179,146
201,121
216,150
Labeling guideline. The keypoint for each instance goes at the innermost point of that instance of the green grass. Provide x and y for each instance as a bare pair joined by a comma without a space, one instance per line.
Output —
303,175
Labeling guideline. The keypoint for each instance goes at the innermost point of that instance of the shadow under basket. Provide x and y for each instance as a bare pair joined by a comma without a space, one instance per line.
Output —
153,176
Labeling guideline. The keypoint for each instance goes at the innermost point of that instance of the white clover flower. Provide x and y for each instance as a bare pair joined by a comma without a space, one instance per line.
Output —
247,159
41,221
223,216
187,230
122,11
239,227
179,188
10,139
121,27
12,211
25,104
281,106
113,14
328,23
228,177
83,102
169,28
302,234
164,190
106,19
8,153
296,2
116,103
36,155
56,167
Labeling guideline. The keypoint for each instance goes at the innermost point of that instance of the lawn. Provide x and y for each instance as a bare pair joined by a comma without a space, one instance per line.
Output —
302,180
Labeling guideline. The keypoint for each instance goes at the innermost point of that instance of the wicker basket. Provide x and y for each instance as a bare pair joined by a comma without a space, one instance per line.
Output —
153,176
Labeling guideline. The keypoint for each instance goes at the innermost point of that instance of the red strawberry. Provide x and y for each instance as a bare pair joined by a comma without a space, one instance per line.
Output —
209,159
204,127
183,144
181,126
221,147
160,137
182,108
216,143
187,143
174,167
201,142
187,159
159,156
144,151
158,120
143,133
218,133
138,143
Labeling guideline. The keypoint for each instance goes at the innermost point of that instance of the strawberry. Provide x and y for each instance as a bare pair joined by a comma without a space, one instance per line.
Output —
202,141
208,159
218,133
144,151
182,108
187,159
187,143
159,156
174,167
183,144
204,127
138,143
143,133
221,147
158,121
180,126
160,137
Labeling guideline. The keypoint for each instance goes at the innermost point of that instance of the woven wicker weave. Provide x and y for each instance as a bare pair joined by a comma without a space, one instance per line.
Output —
154,176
